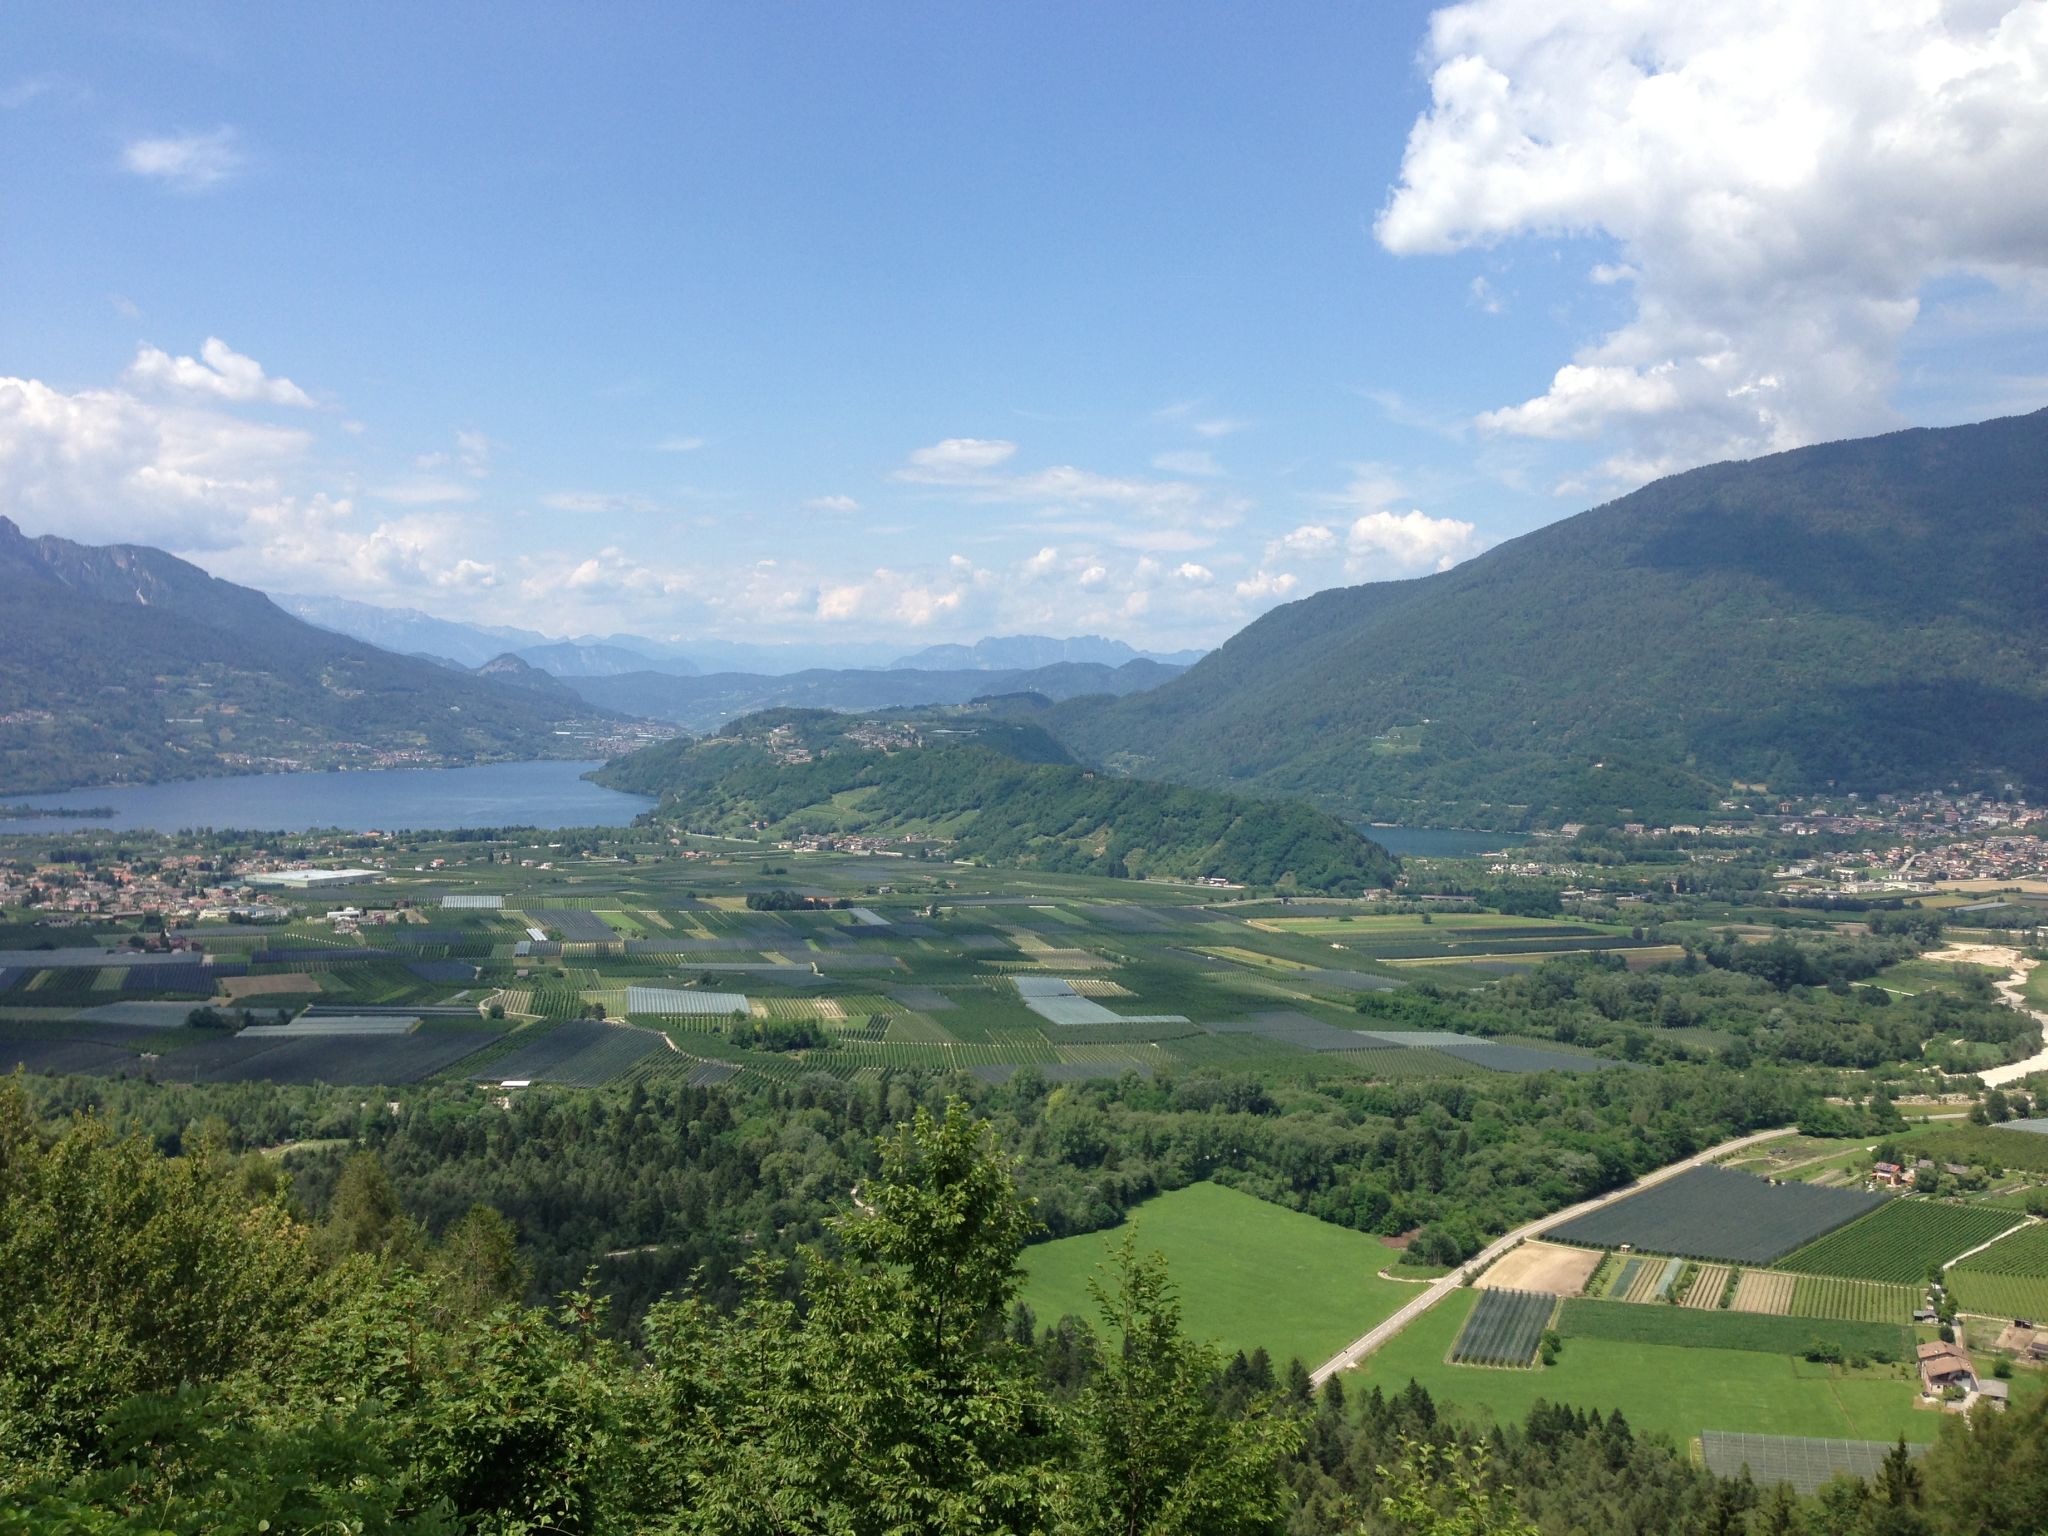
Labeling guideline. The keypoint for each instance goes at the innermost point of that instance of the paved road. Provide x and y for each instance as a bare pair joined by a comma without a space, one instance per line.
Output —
1360,1347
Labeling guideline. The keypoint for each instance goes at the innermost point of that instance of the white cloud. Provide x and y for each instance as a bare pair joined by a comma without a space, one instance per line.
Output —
1310,541
189,162
104,465
679,445
219,371
834,503
1781,180
1263,586
1485,298
956,458
1410,539
1219,426
1041,563
1193,574
1188,461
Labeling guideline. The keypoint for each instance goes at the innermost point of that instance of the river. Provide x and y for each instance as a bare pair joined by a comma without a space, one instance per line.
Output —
537,794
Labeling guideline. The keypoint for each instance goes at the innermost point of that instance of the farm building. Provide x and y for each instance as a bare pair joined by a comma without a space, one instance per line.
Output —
1945,1365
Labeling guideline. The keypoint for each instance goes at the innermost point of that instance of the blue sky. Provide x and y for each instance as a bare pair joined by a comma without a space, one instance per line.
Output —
925,322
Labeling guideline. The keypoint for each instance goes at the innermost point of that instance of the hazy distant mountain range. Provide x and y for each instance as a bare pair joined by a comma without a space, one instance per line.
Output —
1868,614
1016,653
413,633
703,703
121,662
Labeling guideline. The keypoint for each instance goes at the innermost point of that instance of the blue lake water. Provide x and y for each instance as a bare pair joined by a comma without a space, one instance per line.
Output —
1439,842
544,794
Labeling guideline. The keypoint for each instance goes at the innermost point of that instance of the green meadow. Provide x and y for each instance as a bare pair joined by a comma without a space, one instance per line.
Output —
1671,1390
1249,1274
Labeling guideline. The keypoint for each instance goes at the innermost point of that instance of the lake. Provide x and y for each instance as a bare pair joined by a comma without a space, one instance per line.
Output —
1440,842
543,794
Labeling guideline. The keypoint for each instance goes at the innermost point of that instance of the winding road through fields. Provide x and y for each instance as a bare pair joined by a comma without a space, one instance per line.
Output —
1366,1343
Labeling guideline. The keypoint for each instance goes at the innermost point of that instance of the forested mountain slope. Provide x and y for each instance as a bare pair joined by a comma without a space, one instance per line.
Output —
1870,614
123,663
991,791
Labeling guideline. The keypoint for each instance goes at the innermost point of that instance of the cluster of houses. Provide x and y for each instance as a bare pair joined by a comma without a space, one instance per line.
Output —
1903,1176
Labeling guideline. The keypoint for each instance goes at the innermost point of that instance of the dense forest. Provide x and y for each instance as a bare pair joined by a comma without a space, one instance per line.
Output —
998,799
181,1352
125,663
1844,615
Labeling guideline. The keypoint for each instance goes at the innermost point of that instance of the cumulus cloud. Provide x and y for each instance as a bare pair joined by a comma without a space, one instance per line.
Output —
956,458
107,466
1309,541
1411,539
219,371
188,162
1782,181
1193,574
834,503
1266,586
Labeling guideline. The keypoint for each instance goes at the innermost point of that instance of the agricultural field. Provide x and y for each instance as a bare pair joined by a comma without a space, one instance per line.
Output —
2008,1279
1662,1388
1651,1280
1801,1462
1712,1213
1901,1241
1121,976
1551,1268
1688,1328
1504,1329
1708,1286
1868,1301
1764,1290
1249,1274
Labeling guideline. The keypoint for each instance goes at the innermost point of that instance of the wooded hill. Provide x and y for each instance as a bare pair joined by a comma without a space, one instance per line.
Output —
1002,792
1865,614
123,663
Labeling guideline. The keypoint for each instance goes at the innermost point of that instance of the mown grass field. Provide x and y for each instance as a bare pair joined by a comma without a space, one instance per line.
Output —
1662,1388
1250,1274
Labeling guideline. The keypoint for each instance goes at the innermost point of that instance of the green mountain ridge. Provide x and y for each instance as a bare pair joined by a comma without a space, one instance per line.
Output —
1865,614
995,791
122,663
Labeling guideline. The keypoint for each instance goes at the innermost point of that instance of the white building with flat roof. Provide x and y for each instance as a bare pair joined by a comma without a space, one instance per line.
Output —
311,879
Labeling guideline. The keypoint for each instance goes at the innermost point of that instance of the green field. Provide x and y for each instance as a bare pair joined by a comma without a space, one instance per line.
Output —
1867,1301
1660,1387
2008,1279
1899,1241
1250,1274
1691,1328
